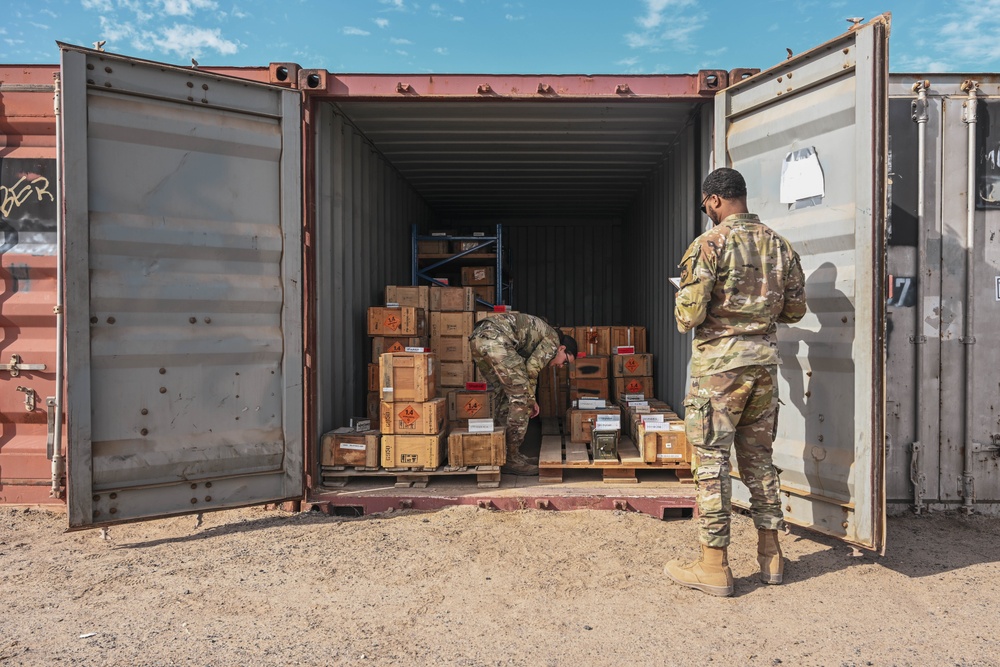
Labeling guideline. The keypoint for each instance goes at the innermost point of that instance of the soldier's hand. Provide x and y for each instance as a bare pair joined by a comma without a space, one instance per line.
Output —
535,410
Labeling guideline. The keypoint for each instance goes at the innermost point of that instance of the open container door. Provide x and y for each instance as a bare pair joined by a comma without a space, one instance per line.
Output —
810,137
183,303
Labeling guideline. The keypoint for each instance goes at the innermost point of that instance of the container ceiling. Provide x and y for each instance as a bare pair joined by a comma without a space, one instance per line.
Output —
523,159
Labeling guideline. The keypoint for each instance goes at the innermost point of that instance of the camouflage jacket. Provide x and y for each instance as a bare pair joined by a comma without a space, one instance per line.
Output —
738,280
529,336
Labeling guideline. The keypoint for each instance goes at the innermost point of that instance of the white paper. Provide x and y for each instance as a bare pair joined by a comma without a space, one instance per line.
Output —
656,426
669,456
352,445
801,176
480,426
652,419
592,403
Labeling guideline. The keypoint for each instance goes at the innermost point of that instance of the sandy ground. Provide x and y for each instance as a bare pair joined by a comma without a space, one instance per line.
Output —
466,586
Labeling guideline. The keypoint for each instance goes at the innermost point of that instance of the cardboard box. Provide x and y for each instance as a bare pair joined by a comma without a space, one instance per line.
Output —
593,388
405,417
669,447
432,247
452,299
452,348
462,246
413,451
406,295
469,405
589,368
456,373
402,321
594,340
451,324
631,365
384,344
632,385
408,377
347,447
582,421
477,449
479,275
629,336
373,377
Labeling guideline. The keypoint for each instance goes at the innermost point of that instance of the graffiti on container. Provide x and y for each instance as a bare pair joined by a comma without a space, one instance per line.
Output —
13,196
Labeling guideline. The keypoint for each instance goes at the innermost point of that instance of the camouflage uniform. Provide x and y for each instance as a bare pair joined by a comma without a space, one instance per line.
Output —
510,350
738,280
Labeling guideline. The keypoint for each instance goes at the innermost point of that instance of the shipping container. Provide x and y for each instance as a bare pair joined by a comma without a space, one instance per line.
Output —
226,231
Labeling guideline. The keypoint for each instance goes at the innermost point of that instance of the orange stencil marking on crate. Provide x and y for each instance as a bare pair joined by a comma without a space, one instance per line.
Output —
472,407
396,347
634,387
392,322
631,365
409,416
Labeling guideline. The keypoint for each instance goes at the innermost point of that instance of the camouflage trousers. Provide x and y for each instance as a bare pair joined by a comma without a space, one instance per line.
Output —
505,371
740,407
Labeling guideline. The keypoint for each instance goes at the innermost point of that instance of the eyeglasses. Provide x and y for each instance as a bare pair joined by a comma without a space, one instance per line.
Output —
702,207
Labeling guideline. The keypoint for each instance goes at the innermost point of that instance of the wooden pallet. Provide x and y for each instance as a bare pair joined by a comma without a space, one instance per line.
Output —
336,477
558,454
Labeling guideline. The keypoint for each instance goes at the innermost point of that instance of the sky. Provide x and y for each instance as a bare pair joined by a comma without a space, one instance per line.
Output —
499,36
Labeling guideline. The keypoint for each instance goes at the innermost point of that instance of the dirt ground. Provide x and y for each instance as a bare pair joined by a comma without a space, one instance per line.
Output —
467,586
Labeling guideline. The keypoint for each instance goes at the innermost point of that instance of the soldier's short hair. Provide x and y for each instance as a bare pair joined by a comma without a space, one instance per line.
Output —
726,183
569,342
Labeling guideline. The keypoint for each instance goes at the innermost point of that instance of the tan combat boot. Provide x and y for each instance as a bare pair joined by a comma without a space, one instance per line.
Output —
772,567
709,574
518,464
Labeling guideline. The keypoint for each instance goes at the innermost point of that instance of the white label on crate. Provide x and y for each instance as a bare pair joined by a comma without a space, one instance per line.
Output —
641,409
656,426
633,397
392,305
608,423
669,456
592,403
351,445
652,419
635,404
415,349
480,426
386,388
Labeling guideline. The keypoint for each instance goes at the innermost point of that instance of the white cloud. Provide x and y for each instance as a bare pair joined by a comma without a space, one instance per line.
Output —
656,8
458,19
186,7
402,52
399,5
382,23
351,30
674,35
99,5
399,41
40,26
628,62
239,13
921,64
49,12
14,42
189,40
511,17
436,8
441,51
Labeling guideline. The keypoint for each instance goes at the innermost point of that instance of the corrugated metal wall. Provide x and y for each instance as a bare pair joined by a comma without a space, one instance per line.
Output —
659,227
28,197
365,211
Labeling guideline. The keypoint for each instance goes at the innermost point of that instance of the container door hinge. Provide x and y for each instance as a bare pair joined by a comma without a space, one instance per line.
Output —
967,340
16,366
29,398
918,340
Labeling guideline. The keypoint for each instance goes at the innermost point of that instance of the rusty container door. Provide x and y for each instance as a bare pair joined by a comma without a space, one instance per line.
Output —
183,263
28,269
810,137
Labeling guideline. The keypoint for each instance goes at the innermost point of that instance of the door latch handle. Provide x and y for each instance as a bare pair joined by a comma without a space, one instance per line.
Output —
29,398
15,366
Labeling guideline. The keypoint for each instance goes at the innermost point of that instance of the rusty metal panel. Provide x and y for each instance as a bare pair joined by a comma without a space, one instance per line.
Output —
28,269
831,432
183,290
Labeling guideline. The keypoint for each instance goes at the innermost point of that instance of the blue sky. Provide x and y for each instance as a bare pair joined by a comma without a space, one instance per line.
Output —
499,36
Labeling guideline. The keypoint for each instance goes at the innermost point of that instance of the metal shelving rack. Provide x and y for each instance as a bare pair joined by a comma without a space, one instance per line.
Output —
479,252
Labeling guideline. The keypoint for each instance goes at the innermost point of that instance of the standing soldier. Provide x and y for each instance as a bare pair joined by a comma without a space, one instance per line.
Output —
738,280
511,349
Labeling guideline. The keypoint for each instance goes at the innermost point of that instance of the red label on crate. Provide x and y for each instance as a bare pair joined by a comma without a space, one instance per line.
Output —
634,387
475,386
631,365
392,322
395,347
592,338
472,407
499,308
625,349
409,416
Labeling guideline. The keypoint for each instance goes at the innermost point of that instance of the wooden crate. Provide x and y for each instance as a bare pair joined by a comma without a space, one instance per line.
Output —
629,336
456,373
476,449
452,299
462,246
347,447
558,454
593,388
432,247
452,348
408,377
479,275
451,324
632,385
413,418
374,376
631,365
384,344
402,321
469,405
413,451
582,421
669,447
373,402
589,368
408,295
594,340
487,293
552,404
